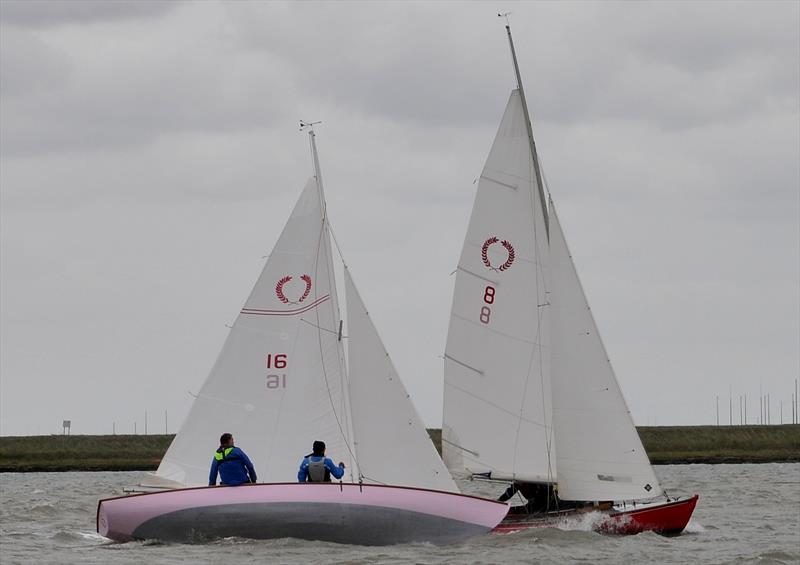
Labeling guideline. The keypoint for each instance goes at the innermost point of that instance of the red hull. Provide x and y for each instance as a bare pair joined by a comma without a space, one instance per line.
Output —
668,519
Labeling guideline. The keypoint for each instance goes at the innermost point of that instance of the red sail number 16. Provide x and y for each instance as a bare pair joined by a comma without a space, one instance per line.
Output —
277,361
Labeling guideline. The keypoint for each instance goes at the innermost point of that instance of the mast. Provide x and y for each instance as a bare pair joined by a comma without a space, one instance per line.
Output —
537,171
315,159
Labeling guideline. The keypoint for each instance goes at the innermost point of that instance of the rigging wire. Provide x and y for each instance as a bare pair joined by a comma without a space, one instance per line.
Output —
345,436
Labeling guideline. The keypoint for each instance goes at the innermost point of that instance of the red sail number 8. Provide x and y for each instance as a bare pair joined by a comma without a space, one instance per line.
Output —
488,298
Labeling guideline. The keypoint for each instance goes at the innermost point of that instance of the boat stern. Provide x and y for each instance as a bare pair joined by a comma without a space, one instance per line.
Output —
668,519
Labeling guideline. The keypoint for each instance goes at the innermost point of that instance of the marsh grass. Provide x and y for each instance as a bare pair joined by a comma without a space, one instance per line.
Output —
664,445
721,444
83,453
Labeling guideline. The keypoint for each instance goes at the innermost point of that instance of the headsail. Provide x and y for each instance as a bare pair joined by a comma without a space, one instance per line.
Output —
600,455
278,383
497,411
392,444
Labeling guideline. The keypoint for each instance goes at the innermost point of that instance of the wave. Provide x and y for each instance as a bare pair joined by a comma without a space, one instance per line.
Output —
779,557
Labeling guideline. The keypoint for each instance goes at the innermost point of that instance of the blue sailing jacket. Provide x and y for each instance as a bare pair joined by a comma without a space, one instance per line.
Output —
302,474
234,467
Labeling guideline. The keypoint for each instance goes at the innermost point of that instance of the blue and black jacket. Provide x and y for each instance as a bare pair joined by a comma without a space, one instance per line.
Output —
234,467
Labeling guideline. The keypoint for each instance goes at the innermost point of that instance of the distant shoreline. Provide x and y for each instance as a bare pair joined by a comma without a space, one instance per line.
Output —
665,445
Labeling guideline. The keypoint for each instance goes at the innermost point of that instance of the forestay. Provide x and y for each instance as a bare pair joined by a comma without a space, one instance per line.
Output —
497,407
392,444
278,383
600,455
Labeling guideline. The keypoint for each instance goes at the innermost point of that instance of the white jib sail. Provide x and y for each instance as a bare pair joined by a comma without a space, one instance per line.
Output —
392,444
278,382
600,455
497,407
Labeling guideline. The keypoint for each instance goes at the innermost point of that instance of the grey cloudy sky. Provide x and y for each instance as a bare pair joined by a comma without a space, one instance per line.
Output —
151,155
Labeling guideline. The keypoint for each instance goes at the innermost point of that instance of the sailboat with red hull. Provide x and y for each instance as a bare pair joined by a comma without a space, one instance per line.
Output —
667,518
530,397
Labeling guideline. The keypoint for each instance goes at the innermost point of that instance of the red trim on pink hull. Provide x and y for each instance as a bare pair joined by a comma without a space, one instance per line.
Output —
669,518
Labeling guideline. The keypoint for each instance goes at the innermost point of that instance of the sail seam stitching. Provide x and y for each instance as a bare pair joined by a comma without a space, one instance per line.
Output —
481,373
460,268
495,181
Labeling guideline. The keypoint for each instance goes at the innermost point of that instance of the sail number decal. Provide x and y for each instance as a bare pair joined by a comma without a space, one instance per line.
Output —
276,361
488,298
489,291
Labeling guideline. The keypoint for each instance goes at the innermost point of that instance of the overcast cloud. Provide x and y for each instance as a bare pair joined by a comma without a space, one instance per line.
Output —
150,155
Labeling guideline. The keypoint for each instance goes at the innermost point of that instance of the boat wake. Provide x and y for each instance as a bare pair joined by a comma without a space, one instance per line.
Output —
92,536
131,545
584,522
694,527
67,537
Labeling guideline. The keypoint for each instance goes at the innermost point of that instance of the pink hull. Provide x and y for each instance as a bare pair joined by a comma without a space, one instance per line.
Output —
344,513
668,518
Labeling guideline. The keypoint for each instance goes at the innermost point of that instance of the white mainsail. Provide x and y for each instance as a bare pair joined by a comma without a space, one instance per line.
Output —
600,455
497,401
279,381
392,444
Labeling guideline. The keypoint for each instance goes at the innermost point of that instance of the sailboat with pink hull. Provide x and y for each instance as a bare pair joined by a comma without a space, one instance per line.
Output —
282,381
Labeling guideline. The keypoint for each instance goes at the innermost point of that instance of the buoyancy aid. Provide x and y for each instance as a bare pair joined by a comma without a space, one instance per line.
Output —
318,472
221,455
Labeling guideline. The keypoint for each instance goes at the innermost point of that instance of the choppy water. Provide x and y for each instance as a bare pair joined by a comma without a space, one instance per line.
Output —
746,514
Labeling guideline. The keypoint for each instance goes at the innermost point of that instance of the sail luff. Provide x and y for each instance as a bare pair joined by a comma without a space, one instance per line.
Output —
529,127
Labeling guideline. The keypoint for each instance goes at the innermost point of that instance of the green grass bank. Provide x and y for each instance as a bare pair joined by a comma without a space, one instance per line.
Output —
664,445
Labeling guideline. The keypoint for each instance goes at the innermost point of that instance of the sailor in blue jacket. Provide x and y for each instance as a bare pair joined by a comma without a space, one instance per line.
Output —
232,464
316,468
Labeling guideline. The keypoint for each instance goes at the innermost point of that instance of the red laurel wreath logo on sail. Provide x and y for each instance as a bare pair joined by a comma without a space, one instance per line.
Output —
485,253
283,281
